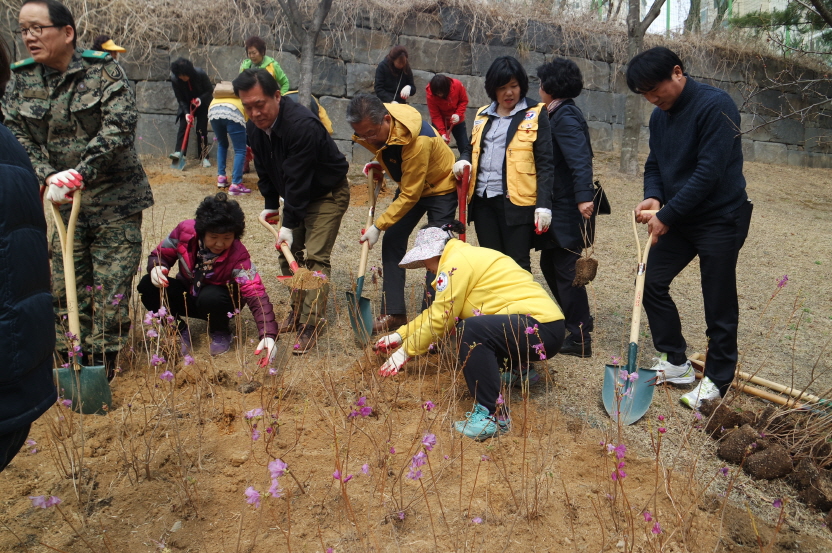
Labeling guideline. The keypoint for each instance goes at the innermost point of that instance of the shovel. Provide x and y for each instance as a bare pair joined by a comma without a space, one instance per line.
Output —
462,198
301,277
360,309
87,387
181,163
628,390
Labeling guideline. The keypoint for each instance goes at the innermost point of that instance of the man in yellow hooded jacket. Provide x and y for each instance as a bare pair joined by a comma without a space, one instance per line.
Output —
415,156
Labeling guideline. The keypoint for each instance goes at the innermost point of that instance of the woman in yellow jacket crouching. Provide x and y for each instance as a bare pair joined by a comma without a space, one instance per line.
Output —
498,311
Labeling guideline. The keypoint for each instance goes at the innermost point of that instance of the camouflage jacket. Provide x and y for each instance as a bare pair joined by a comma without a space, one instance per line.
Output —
84,118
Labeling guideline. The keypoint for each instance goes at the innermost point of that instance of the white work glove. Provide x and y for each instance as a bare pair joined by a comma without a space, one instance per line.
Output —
158,276
446,138
459,167
62,185
285,235
405,93
394,363
197,102
272,216
189,118
374,166
454,119
542,219
267,344
388,343
370,235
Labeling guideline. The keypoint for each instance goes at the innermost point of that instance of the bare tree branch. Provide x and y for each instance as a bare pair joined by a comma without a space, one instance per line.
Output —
822,10
652,14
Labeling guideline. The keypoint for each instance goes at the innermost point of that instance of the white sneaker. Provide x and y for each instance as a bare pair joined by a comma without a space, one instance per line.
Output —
704,390
206,163
674,374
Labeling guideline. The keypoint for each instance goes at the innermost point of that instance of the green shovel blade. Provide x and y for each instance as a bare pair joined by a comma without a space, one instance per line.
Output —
361,313
87,388
628,392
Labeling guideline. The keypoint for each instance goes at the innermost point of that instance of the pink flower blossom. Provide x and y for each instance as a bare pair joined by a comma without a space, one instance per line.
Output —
647,516
257,412
782,282
661,418
253,497
66,402
657,528
157,360
275,490
255,435
429,441
44,502
152,333
662,430
365,468
189,360
476,520
167,376
277,468
336,475
428,405
366,411
777,503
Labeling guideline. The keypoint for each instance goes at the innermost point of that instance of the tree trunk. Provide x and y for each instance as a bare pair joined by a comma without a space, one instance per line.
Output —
632,116
307,62
307,36
693,21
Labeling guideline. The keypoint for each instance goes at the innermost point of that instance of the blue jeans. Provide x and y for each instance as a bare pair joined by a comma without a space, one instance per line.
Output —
223,128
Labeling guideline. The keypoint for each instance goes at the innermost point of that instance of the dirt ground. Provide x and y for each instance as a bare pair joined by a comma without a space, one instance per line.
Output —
168,468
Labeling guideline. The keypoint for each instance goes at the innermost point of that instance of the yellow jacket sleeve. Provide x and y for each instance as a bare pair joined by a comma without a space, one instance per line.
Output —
435,321
415,162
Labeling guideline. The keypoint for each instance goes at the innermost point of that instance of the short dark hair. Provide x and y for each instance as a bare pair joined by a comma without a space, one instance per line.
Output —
59,15
366,106
220,215
560,78
256,42
440,85
99,41
182,66
5,69
502,70
647,69
249,78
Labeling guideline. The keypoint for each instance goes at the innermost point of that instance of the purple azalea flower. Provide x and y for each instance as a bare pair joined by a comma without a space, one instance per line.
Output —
189,360
366,411
253,497
347,478
277,468
783,281
365,468
429,441
662,430
419,459
647,516
336,475
257,412
620,451
657,528
167,376
44,502
66,402
255,435
157,360
724,471
476,520
414,474
152,333
392,451
777,503
162,312
531,329
275,489
148,318
428,405
361,402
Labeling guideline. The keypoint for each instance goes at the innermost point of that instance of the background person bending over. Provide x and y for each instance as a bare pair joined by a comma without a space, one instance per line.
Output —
76,139
447,101
394,78
693,175
510,191
502,313
192,87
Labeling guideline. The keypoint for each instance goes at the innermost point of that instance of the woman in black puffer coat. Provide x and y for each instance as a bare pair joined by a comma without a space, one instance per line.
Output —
394,78
27,322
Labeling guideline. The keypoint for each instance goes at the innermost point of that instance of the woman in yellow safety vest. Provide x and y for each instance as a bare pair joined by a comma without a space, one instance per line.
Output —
511,160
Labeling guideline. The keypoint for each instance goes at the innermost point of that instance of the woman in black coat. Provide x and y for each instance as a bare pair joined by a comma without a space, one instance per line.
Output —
27,322
191,86
394,78
573,215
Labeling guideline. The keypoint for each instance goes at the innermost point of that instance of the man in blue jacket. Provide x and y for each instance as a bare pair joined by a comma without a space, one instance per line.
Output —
693,176
27,323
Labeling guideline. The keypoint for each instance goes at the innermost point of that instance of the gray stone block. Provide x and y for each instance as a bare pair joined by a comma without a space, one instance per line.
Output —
618,79
366,46
421,24
360,154
786,131
596,74
820,161
155,68
748,153
329,44
543,37
602,106
336,108
345,146
421,78
156,97
290,64
600,136
222,63
438,56
360,78
455,24
156,134
475,88
749,121
818,140
771,152
798,158
483,56
329,77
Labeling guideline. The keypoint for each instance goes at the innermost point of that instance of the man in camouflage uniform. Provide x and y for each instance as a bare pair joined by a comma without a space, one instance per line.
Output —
75,114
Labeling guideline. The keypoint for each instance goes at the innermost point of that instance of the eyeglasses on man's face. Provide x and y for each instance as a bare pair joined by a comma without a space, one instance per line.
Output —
35,30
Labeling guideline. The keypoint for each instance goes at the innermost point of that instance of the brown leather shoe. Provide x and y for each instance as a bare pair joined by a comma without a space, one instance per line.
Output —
388,323
306,339
289,324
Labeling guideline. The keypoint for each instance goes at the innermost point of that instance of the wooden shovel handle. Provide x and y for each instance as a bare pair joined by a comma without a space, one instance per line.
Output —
365,247
66,235
779,387
284,248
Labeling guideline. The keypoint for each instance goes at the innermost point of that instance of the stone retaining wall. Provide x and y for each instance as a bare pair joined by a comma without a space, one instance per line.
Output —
442,43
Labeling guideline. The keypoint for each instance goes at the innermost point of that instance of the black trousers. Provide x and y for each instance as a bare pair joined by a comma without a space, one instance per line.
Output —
201,127
11,443
440,210
460,134
487,339
558,267
213,304
493,232
717,241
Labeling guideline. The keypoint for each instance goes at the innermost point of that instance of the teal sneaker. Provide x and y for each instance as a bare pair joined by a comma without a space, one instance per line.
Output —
520,378
480,425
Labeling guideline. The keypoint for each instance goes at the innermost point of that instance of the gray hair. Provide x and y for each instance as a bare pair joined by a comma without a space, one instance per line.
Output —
366,106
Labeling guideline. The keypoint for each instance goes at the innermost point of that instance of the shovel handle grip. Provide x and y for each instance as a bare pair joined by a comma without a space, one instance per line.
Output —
293,265
640,276
66,235
365,247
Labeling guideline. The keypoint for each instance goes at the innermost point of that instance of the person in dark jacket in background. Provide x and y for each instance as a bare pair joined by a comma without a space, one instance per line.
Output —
394,78
27,322
297,160
192,87
572,201
693,176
